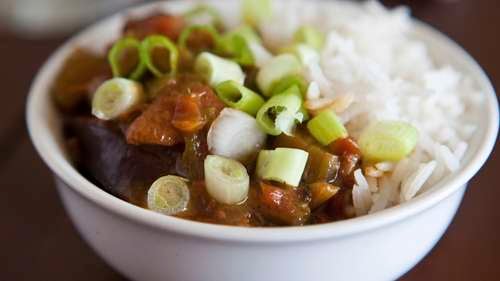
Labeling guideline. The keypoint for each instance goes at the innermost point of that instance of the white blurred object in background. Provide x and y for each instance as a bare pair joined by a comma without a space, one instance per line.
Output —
37,18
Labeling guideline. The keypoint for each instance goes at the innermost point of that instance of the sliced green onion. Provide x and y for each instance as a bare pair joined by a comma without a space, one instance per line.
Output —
238,49
227,180
311,36
281,112
119,51
326,127
284,165
245,46
256,11
193,30
115,97
168,195
149,44
288,81
204,14
217,70
306,54
247,32
276,69
388,141
237,96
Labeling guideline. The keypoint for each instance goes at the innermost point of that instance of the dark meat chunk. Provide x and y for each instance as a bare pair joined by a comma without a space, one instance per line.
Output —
340,207
193,157
117,167
168,25
283,205
82,73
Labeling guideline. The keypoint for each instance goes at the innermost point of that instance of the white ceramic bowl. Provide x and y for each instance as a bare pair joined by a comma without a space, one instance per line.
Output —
143,245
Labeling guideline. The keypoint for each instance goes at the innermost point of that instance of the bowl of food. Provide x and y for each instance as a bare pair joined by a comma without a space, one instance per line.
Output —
283,140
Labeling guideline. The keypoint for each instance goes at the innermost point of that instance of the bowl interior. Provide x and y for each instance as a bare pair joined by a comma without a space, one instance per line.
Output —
44,128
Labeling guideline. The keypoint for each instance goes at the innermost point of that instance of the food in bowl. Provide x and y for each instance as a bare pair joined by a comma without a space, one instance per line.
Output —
287,118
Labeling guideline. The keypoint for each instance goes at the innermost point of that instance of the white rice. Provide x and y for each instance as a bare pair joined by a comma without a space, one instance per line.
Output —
371,54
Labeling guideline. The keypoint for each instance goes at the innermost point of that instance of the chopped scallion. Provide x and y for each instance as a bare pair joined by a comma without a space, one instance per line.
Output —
244,45
227,180
157,42
288,81
256,11
204,14
306,54
310,36
293,80
168,195
275,70
195,31
281,112
217,70
246,32
326,127
284,165
237,48
119,52
388,141
116,97
238,96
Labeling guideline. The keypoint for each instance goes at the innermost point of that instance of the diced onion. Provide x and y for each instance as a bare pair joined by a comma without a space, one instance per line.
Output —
217,70
239,97
115,97
388,141
281,112
326,127
284,165
276,69
227,180
236,135
168,195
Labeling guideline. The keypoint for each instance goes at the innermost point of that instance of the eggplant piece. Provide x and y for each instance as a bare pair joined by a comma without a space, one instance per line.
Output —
117,167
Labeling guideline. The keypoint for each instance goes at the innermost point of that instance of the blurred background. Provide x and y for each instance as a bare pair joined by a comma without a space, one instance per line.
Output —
37,239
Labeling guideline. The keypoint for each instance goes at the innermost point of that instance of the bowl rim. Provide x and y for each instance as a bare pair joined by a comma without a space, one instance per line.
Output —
38,110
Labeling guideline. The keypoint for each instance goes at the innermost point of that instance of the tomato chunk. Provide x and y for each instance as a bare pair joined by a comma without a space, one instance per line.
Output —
167,25
154,126
188,117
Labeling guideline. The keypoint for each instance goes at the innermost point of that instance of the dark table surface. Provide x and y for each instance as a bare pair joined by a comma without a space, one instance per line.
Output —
38,241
